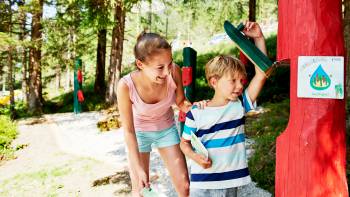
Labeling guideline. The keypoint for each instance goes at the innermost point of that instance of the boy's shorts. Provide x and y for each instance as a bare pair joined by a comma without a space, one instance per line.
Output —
228,192
157,139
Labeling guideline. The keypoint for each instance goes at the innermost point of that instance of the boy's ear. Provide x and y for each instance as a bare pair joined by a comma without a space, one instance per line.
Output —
139,64
213,81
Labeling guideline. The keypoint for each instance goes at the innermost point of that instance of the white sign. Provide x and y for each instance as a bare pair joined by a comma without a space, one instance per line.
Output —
198,146
321,77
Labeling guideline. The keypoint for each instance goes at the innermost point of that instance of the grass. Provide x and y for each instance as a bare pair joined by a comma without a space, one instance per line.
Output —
49,180
28,182
264,130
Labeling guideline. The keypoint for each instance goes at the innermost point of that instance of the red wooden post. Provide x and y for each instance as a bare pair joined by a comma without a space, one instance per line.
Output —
310,155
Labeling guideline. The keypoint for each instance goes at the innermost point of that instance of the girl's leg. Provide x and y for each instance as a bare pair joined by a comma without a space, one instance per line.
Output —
176,165
144,159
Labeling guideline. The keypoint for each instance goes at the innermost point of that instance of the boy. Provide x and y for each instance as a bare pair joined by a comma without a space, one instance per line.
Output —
220,125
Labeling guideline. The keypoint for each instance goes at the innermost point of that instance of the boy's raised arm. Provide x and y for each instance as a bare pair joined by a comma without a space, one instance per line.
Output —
253,30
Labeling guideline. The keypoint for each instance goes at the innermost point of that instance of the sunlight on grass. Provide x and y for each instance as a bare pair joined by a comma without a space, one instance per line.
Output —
29,183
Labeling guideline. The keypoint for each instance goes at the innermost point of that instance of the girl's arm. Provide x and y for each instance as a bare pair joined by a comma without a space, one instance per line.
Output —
181,100
253,30
125,110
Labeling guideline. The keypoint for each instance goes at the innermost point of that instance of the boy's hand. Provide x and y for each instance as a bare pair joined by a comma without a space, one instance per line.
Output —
252,30
202,161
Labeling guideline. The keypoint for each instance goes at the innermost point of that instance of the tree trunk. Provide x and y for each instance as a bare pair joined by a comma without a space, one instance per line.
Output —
24,57
10,83
10,66
114,70
252,10
100,86
347,43
58,77
311,152
68,77
35,105
150,16
1,74
24,76
3,82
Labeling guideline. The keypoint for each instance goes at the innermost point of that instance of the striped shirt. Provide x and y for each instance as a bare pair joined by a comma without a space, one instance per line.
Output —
221,130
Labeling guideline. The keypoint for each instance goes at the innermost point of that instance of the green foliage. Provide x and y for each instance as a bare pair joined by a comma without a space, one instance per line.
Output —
7,41
21,110
64,102
271,46
277,86
127,70
8,132
264,130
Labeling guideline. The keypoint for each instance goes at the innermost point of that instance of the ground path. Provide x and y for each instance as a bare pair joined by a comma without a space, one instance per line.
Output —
65,155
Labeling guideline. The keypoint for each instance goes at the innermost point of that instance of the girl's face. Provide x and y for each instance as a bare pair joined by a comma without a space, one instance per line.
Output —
230,86
158,66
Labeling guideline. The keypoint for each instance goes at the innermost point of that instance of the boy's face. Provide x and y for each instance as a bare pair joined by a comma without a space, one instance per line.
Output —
158,66
230,86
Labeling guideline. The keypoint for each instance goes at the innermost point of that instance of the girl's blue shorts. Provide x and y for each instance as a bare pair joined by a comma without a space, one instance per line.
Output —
157,139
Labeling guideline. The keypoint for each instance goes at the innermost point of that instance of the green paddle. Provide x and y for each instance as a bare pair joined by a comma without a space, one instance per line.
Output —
249,49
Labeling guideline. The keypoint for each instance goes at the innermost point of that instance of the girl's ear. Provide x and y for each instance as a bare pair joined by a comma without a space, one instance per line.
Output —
139,64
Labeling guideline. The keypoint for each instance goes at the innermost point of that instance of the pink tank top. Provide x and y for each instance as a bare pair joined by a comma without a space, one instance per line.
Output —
152,117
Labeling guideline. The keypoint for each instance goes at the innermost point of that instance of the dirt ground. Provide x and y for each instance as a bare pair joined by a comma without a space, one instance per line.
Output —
66,155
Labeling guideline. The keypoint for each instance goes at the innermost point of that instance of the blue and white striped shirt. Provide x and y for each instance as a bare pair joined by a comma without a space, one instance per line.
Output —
221,130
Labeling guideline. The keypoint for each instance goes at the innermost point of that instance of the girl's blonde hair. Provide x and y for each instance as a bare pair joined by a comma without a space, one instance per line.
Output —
223,64
148,44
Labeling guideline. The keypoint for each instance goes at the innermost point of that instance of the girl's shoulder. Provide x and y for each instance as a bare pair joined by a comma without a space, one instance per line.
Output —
128,78
127,81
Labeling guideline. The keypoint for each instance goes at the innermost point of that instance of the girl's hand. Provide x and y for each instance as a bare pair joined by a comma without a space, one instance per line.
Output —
202,161
201,104
252,30
143,179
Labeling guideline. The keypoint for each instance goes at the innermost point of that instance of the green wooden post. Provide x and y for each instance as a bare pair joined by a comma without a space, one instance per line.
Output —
77,86
188,79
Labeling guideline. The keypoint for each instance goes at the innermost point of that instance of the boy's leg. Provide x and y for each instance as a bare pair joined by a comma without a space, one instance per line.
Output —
144,159
175,163
229,192
194,192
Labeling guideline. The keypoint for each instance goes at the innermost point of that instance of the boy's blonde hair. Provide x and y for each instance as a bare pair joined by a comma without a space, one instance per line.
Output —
222,64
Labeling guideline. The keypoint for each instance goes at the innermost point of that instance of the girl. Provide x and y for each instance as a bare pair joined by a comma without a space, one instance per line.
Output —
145,97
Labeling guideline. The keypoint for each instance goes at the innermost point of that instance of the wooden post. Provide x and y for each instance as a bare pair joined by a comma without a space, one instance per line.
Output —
77,86
310,153
188,77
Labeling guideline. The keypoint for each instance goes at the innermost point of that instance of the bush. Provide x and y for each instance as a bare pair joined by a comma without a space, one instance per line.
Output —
21,110
8,132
